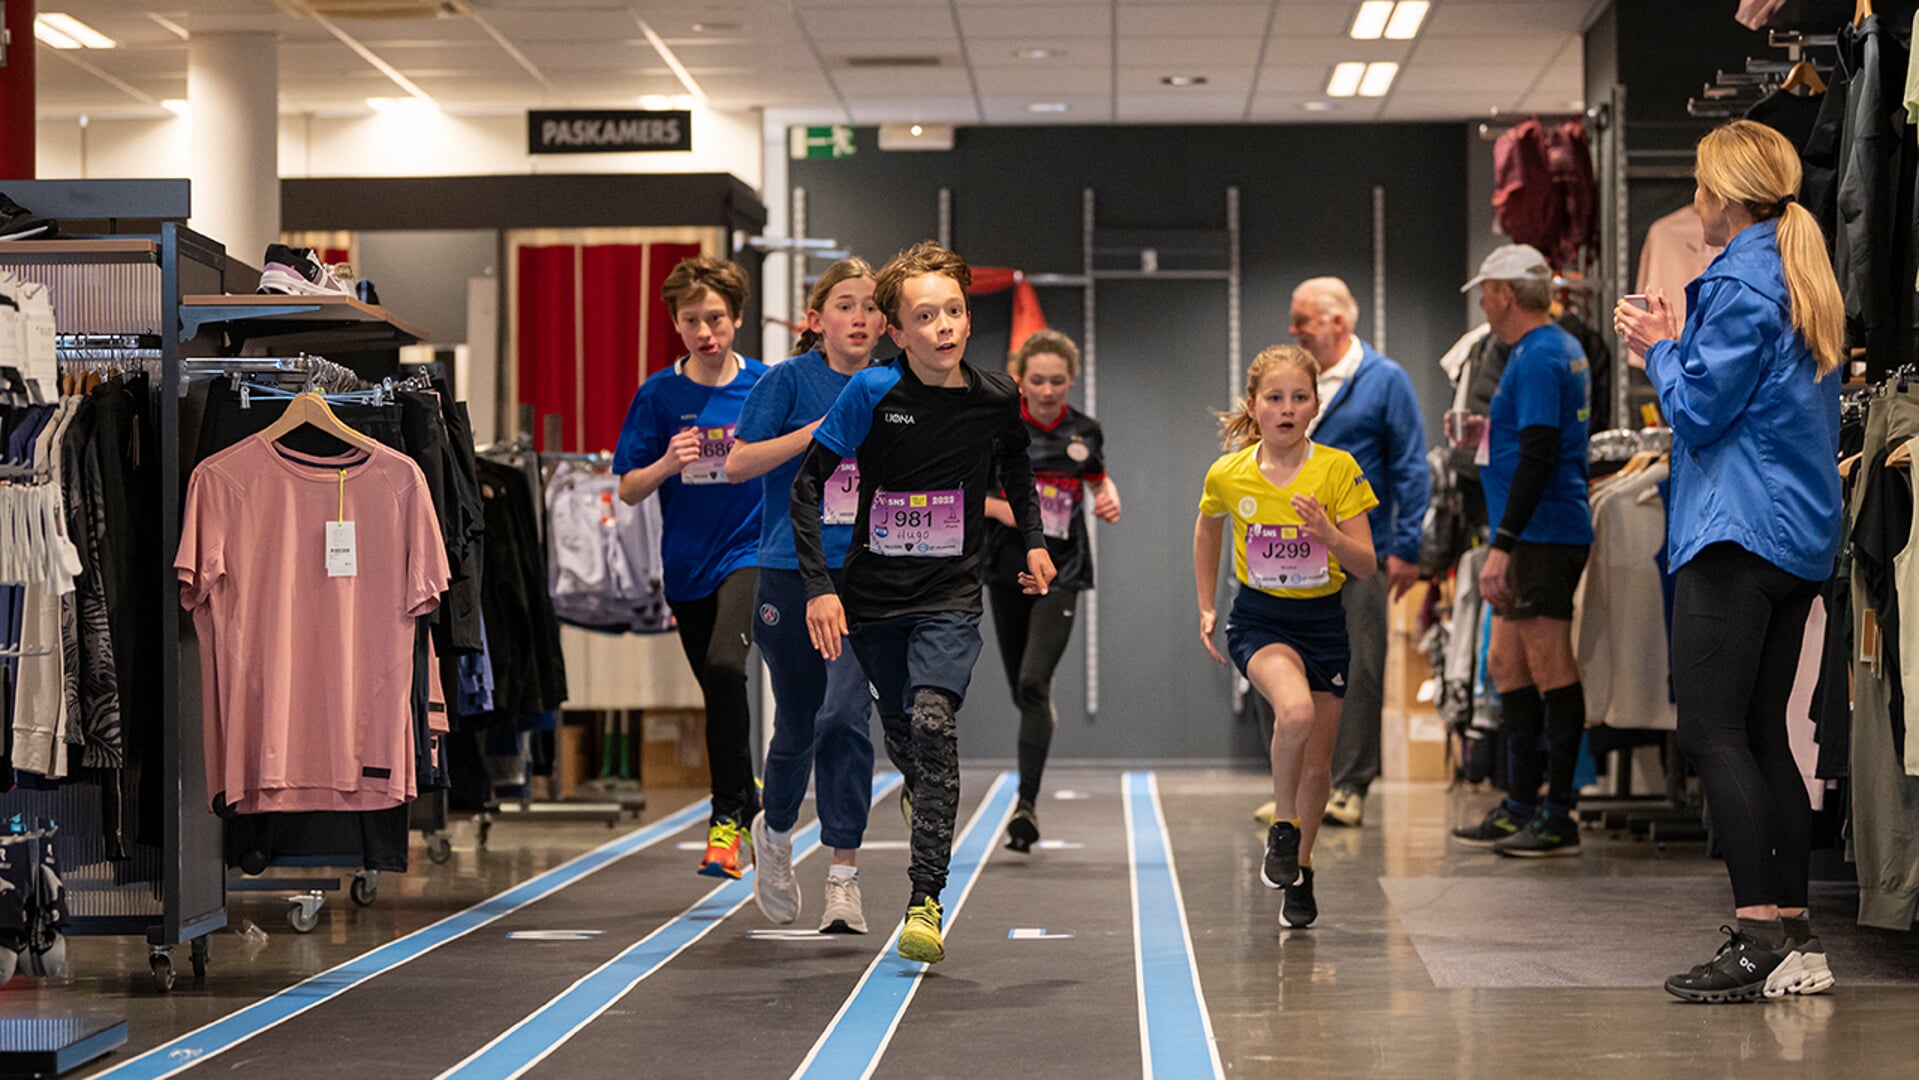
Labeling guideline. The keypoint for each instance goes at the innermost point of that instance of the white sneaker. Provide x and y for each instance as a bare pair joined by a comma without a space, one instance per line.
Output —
774,888
844,915
1804,971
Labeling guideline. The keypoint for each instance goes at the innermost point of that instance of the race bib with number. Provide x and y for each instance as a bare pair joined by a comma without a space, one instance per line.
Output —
929,524
841,506
710,468
1057,505
1284,557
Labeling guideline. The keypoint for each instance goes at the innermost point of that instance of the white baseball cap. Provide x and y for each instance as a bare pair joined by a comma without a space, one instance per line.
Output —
1512,262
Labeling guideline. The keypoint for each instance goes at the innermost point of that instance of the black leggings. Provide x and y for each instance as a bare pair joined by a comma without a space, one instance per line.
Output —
1737,624
1033,632
716,632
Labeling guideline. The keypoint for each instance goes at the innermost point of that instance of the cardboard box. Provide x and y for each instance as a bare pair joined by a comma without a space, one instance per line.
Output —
673,748
1413,739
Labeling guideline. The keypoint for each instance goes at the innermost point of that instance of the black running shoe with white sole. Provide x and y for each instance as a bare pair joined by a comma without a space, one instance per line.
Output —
1299,909
1737,972
1280,868
1499,823
19,223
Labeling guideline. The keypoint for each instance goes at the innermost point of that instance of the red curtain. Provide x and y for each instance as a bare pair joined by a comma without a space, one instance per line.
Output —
548,340
611,365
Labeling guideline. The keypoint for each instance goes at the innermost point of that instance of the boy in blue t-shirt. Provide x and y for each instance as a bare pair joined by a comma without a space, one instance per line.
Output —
675,441
822,705
1536,497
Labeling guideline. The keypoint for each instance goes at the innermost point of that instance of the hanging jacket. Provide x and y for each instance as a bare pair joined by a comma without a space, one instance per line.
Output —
1755,432
1375,418
1525,205
1569,155
1869,250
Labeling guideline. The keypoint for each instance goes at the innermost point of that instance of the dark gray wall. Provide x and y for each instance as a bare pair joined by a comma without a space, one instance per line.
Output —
1306,209
423,275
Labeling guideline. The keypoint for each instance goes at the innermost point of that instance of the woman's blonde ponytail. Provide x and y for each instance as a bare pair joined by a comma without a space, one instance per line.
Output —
1818,312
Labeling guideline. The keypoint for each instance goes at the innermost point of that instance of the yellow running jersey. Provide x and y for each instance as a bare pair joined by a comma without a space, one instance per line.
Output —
1271,551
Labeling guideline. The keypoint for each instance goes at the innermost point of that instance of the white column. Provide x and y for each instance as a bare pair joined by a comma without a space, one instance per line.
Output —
233,89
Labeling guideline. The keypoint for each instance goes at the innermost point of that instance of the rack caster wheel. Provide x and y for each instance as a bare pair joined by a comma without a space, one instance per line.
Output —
304,914
439,849
366,887
162,966
201,950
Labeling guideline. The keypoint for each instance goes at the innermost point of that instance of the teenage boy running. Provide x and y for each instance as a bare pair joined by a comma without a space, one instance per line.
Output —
927,430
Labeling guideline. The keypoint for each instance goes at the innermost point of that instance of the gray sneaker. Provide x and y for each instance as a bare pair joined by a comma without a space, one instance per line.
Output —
844,915
774,888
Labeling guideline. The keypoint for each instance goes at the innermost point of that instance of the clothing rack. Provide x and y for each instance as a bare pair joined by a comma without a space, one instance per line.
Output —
1620,444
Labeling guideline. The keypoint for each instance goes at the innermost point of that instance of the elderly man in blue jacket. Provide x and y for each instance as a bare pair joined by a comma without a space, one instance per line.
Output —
1368,409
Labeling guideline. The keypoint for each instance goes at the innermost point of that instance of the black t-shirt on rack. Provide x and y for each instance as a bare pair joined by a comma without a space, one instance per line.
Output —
1878,535
928,454
1068,458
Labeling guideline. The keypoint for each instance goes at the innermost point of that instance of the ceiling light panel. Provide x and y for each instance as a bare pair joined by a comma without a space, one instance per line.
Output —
52,38
1369,23
1378,78
73,28
1408,16
1346,78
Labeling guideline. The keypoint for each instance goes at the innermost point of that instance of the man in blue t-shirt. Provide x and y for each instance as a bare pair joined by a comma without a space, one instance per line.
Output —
1534,471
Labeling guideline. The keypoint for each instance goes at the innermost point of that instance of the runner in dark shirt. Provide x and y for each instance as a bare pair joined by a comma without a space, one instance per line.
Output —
927,431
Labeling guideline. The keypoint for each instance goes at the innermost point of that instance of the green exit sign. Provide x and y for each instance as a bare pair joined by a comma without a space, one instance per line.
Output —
835,141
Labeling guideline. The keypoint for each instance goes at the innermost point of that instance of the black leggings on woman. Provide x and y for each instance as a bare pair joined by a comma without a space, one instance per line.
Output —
1033,632
1737,625
716,632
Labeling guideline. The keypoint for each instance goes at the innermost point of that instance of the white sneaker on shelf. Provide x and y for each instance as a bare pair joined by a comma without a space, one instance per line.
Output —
775,889
844,913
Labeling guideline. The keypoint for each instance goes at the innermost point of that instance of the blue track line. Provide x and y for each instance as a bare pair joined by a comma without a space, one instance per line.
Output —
1175,1032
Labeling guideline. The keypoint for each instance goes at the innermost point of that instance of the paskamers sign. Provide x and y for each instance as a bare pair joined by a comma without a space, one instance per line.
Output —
608,131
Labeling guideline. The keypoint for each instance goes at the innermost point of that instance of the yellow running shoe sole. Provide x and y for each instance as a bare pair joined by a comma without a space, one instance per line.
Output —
922,946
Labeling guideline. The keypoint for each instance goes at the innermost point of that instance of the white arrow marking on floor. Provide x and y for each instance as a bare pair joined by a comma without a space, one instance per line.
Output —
788,935
554,935
1059,845
1071,796
1027,934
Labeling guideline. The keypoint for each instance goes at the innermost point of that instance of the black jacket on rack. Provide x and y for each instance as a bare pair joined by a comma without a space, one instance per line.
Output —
1875,209
523,636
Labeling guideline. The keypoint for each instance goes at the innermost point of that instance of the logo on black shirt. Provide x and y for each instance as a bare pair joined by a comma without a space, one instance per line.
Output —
899,418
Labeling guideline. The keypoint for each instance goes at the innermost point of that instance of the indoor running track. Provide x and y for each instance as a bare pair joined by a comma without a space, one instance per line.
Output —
626,961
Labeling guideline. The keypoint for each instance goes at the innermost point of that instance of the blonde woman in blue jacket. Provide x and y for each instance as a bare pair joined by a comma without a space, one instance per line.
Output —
1751,389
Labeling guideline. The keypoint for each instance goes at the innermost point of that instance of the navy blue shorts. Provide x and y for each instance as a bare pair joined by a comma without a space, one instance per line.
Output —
1315,629
934,649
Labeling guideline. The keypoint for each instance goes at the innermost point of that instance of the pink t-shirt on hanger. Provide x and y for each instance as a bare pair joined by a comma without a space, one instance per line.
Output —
307,671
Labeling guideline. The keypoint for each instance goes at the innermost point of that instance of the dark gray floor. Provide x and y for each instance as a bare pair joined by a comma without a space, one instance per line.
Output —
1428,961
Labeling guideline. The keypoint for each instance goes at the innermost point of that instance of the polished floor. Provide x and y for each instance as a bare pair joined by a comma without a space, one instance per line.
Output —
574,950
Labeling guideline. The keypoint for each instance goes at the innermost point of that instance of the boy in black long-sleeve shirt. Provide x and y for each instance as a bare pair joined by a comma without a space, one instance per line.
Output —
927,430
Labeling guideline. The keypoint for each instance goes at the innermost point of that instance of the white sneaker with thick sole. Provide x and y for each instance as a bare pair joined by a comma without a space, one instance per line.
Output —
1803,971
844,914
775,889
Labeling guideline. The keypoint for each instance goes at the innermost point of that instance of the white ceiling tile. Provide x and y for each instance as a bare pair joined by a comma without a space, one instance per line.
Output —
1207,20
1219,80
521,26
937,110
1476,19
1286,51
921,83
1514,50
1293,80
1070,53
845,28
1162,108
1424,79
378,33
1194,55
1444,106
1036,20
1080,109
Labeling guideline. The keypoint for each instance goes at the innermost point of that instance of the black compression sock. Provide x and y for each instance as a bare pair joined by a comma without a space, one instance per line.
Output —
1765,933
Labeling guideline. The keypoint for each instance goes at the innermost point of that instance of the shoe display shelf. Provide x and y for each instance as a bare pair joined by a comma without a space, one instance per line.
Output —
271,324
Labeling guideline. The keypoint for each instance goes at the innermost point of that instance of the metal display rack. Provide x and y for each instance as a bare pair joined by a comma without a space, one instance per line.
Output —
147,276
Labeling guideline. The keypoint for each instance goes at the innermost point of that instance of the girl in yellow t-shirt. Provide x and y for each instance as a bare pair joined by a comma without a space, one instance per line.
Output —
1298,514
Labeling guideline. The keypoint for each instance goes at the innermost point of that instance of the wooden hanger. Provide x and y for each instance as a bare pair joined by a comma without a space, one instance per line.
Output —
1902,455
311,408
1804,74
1861,12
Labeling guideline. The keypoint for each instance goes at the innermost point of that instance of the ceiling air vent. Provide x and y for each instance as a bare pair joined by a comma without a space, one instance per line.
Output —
389,9
894,61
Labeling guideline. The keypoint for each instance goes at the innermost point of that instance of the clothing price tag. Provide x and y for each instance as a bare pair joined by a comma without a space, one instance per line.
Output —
1484,455
929,524
710,468
342,552
841,506
607,517
1284,557
1057,505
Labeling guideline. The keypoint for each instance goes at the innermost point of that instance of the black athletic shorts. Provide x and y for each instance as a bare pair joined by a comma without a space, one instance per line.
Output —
1543,578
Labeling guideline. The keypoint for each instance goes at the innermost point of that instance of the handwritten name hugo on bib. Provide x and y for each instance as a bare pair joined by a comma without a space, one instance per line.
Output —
710,466
928,524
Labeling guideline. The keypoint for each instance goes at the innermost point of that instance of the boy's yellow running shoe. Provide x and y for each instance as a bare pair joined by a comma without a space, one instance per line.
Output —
724,842
921,940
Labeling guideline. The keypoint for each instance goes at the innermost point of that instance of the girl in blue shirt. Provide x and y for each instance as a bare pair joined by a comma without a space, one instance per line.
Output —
675,441
1751,387
822,705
